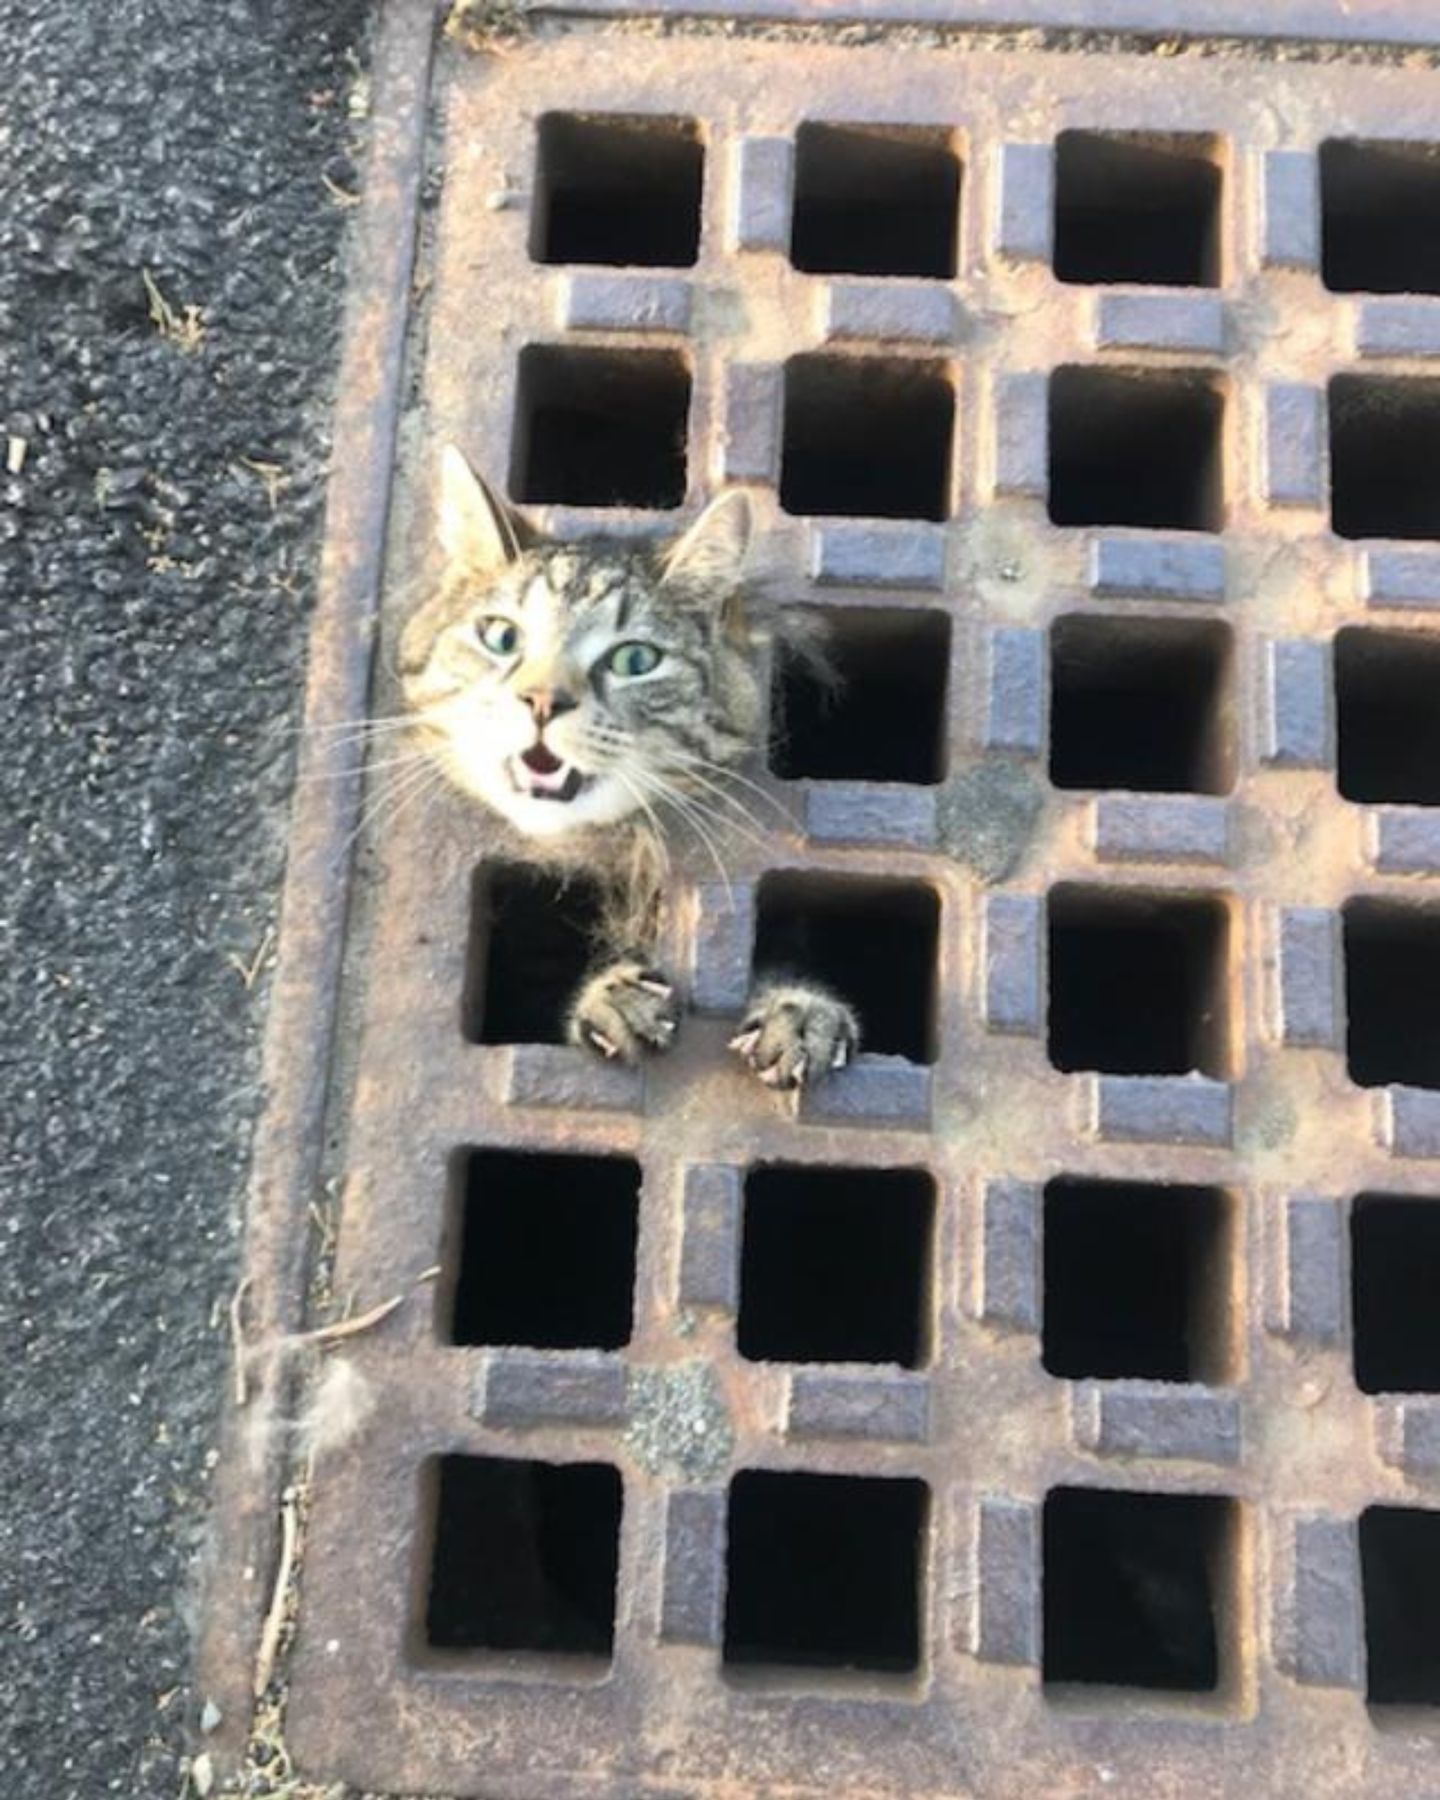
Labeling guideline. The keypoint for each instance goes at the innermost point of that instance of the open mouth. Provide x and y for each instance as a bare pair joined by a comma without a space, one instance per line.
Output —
544,776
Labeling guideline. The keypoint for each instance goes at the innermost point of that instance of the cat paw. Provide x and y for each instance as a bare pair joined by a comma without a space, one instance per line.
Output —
794,1033
624,1010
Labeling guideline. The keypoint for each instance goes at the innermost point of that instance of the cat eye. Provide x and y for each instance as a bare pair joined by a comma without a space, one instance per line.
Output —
501,637
632,659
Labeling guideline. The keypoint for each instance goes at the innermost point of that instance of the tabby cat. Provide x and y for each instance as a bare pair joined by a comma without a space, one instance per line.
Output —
585,692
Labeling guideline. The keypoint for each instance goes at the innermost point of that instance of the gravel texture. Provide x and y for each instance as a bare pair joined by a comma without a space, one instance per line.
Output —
154,587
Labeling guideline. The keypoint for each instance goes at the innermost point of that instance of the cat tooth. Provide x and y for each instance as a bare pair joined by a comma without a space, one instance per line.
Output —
841,1056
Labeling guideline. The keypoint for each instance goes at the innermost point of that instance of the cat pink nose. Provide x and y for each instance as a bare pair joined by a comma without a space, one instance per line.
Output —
548,703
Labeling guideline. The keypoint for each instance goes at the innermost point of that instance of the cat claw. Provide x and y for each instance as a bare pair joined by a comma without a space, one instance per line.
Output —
793,1033
624,1011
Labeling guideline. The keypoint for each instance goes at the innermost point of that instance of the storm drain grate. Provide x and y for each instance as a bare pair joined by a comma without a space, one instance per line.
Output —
1052,1402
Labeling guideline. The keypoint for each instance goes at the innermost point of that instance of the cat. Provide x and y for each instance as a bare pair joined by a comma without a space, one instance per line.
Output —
582,690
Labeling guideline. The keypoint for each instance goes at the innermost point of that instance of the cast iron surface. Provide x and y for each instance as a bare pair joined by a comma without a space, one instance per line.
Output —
1283,1429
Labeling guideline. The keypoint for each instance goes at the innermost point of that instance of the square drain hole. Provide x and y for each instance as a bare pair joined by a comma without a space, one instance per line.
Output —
1137,1281
1380,217
1142,705
1400,1578
1136,207
1387,716
523,1557
835,1265
600,427
875,200
545,1248
1394,1281
1139,983
1130,1587
882,716
866,436
620,190
824,1571
1392,994
1384,443
873,942
1136,449
531,938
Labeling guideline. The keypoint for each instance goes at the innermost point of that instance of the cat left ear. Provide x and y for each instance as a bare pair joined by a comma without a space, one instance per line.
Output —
712,552
476,527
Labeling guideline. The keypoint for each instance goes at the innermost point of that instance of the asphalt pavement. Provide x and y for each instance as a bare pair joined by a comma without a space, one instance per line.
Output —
174,179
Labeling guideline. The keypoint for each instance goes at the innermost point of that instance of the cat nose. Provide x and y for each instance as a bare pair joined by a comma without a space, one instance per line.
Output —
548,703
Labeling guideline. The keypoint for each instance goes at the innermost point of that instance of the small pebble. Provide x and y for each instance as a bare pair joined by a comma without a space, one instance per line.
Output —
210,1716
202,1775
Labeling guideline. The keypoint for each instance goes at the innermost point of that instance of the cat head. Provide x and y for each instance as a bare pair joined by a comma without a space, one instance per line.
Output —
570,685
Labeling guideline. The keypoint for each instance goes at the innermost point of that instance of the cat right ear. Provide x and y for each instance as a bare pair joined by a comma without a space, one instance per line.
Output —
712,552
476,528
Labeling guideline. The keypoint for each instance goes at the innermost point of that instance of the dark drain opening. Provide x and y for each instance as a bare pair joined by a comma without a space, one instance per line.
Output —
524,1556
530,942
600,427
1133,207
544,1249
1141,704
868,437
1136,449
873,942
824,1571
1137,1281
1380,217
1400,1576
874,200
1130,1585
618,190
1384,445
882,716
1392,994
835,1265
1395,1278
1138,983
1387,718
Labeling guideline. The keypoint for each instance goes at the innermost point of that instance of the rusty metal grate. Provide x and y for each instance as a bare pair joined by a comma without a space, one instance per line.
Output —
743,1453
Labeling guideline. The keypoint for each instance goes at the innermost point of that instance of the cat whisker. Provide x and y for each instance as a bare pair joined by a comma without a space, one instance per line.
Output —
365,766
692,815
407,786
375,722
657,833
751,829
688,760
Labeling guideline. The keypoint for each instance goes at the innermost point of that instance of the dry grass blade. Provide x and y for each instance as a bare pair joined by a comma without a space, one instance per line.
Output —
238,1352
346,1328
184,329
279,1596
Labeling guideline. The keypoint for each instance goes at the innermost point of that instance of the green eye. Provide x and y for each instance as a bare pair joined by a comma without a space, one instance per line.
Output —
501,637
628,660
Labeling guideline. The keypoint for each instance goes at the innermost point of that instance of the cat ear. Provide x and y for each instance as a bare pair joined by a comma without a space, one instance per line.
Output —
712,552
476,528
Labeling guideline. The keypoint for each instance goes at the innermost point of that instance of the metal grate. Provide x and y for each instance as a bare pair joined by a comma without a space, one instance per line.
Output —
744,1453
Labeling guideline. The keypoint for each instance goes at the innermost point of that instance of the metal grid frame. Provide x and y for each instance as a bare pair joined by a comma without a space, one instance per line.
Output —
1290,1438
